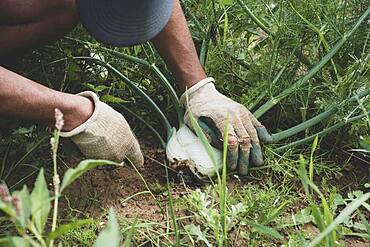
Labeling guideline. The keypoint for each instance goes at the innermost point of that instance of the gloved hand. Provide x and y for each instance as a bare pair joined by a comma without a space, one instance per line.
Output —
211,109
106,135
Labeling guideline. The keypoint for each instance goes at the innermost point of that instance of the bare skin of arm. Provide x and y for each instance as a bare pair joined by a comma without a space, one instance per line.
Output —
176,47
25,99
35,24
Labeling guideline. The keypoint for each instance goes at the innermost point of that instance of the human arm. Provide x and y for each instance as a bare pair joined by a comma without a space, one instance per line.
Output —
97,129
174,43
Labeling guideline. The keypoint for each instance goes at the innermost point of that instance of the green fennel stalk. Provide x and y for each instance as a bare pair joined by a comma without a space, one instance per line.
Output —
276,99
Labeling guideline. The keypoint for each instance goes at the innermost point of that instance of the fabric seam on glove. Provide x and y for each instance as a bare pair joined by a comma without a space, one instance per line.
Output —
195,88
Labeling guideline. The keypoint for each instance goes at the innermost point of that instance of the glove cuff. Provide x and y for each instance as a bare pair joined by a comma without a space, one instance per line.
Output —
83,126
195,88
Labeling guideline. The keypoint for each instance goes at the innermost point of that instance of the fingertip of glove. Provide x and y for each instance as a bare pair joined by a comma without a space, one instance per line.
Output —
140,163
137,161
256,155
232,158
243,164
243,169
137,157
264,135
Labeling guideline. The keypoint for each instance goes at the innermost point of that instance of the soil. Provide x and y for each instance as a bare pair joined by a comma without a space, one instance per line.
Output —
354,174
100,189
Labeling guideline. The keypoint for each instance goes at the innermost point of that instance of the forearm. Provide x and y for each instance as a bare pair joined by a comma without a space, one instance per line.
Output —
26,99
175,45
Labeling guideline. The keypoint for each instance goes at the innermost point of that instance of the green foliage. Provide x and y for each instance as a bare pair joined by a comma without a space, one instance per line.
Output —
81,236
310,166
29,212
110,234
340,218
264,229
84,166
323,216
195,231
240,213
14,242
64,229
40,202
256,50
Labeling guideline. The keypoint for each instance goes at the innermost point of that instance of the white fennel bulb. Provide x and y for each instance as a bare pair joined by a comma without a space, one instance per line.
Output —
185,149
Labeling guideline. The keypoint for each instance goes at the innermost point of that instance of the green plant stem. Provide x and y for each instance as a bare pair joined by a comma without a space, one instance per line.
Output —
204,50
223,186
56,183
321,38
113,52
133,85
144,122
310,165
317,119
30,240
255,19
134,195
38,236
153,68
172,209
33,148
266,92
172,93
4,161
275,100
322,133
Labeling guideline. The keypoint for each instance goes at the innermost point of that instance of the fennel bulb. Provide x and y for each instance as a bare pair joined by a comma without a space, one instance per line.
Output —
185,149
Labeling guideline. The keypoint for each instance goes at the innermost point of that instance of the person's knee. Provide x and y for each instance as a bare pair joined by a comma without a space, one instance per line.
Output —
23,12
45,23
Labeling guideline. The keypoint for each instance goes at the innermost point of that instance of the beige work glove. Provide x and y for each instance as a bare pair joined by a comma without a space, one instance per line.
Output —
106,135
211,109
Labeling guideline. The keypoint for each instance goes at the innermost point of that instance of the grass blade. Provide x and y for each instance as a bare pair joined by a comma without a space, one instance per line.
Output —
110,234
63,229
310,167
264,229
347,211
254,18
172,208
328,220
319,219
223,185
129,236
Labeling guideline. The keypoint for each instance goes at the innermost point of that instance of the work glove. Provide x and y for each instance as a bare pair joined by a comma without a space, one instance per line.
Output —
106,135
212,109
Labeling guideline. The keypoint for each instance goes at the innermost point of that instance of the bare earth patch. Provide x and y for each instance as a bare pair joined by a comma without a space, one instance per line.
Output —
101,189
